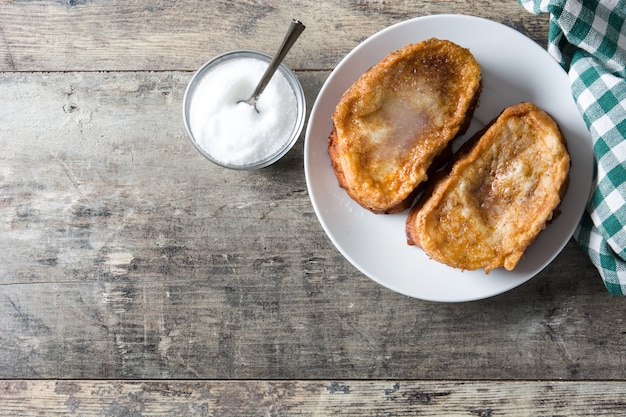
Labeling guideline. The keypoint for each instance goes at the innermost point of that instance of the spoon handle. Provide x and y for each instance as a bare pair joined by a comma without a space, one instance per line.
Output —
294,31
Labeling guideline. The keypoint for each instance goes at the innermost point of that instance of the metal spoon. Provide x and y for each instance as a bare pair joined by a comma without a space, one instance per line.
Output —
294,31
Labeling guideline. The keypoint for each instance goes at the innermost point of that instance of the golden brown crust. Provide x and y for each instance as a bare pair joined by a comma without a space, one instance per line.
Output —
391,124
498,195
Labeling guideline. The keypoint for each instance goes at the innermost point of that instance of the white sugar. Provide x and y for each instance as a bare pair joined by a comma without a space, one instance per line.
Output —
234,133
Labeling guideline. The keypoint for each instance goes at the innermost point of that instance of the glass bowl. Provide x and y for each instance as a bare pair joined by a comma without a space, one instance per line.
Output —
193,104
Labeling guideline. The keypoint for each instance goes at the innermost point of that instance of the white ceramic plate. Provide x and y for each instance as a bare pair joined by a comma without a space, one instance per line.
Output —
514,69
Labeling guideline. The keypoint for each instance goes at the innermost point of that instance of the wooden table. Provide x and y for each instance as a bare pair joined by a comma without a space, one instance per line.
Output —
136,278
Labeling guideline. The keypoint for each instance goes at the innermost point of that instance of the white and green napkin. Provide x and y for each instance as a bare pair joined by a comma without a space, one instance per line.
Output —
588,38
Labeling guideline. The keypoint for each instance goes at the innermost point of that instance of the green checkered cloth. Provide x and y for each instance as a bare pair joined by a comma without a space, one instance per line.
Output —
588,38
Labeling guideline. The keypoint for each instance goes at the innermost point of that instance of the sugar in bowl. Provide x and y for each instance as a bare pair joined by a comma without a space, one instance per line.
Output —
236,125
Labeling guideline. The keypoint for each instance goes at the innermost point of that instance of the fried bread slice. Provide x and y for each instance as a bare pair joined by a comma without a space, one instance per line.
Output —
393,122
501,191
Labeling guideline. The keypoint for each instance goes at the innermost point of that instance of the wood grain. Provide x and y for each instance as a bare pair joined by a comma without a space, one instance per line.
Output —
118,35
311,398
138,279
127,255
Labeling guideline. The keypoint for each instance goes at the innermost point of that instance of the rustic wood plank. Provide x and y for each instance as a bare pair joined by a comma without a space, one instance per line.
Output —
311,398
143,277
125,254
51,35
